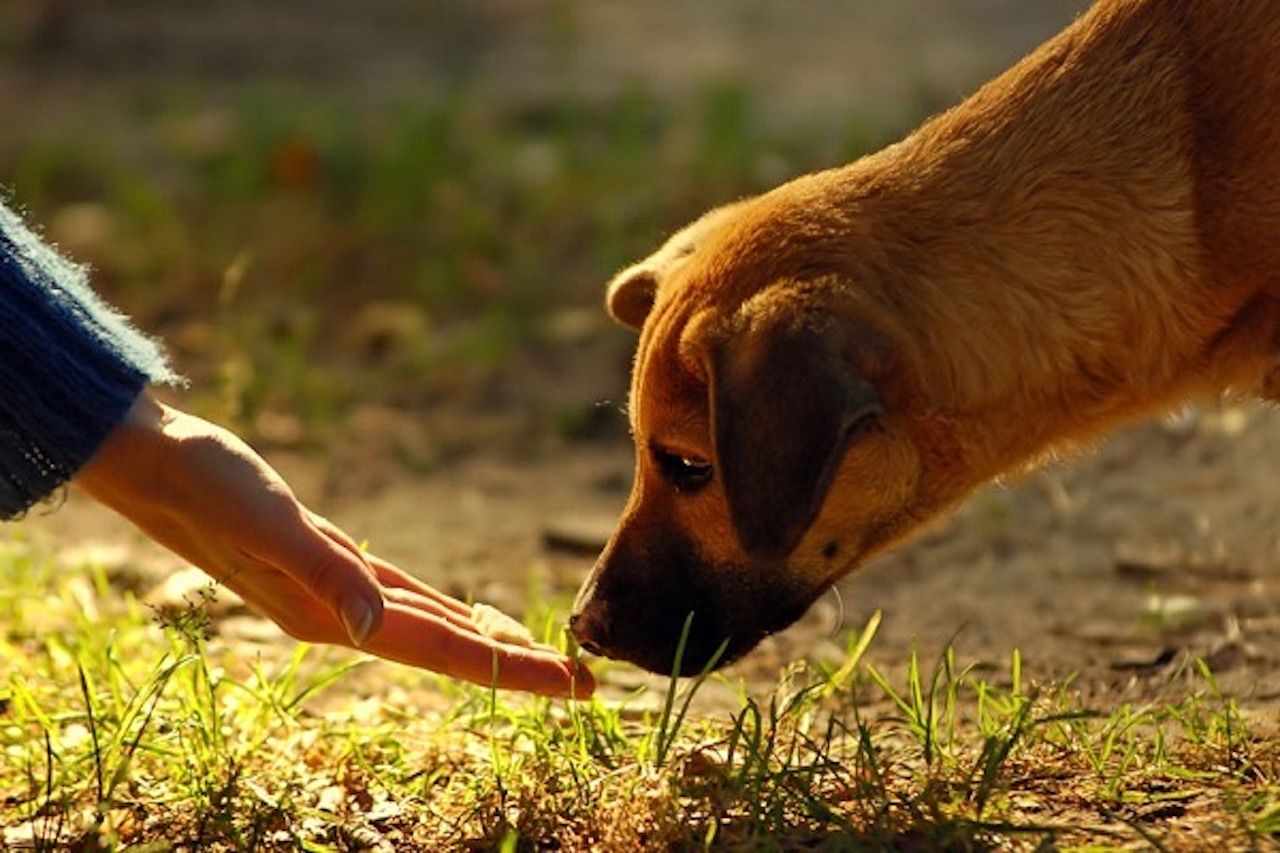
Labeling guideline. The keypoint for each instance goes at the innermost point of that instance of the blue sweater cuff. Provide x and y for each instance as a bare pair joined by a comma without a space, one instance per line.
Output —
70,368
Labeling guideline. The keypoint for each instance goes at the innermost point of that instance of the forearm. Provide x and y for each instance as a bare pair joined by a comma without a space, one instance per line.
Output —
138,471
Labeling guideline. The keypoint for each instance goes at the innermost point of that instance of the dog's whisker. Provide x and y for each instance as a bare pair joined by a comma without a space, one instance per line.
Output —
839,623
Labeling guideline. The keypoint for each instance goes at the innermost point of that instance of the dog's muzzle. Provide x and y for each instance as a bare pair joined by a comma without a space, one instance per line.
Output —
666,609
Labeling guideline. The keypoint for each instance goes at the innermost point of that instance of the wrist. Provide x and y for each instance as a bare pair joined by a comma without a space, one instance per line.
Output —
128,454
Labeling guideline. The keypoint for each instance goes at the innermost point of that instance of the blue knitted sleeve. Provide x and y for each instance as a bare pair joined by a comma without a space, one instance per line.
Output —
70,368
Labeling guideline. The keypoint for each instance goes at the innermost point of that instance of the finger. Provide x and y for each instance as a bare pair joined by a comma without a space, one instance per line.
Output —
464,621
395,578
328,564
401,588
304,617
389,575
426,640
299,613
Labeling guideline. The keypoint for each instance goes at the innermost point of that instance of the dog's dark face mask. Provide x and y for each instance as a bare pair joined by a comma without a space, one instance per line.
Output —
655,601
740,431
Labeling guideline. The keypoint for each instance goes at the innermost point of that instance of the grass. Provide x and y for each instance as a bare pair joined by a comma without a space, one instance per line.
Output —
126,730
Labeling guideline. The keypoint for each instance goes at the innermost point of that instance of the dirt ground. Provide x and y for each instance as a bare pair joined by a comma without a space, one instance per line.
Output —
1117,568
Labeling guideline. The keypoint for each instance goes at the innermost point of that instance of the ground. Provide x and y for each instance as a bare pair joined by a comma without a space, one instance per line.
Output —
1115,569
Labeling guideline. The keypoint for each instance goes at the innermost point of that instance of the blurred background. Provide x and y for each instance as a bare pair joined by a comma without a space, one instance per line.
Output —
375,235
320,204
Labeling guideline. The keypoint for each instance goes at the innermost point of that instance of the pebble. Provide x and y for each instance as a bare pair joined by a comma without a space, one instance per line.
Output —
496,625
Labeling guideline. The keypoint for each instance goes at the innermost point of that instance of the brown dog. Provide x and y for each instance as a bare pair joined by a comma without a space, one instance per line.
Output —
1092,238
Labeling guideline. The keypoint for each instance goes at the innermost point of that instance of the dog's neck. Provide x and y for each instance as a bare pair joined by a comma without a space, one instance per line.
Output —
1037,247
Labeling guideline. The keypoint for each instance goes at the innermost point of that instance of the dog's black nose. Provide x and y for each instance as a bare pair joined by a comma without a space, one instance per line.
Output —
590,632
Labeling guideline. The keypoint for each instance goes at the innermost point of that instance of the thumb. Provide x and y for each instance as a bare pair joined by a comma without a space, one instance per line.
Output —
329,564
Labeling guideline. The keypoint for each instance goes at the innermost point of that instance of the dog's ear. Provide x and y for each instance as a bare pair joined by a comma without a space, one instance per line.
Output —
631,293
786,403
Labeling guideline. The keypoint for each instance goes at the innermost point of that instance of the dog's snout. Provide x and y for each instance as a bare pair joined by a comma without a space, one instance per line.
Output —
589,630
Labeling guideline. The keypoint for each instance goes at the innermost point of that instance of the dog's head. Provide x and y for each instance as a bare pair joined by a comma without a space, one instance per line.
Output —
768,459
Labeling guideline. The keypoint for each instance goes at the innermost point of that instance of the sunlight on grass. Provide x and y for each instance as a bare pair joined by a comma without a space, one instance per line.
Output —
121,728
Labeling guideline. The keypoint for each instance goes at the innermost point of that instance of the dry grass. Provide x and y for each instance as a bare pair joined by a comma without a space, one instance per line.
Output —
124,730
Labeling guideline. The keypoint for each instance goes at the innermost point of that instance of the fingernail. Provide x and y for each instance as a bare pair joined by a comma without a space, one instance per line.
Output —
357,618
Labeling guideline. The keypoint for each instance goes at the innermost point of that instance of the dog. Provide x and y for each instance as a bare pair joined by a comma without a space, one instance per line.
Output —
1090,239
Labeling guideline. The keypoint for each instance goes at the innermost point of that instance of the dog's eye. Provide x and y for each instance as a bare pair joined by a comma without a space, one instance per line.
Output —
868,418
685,473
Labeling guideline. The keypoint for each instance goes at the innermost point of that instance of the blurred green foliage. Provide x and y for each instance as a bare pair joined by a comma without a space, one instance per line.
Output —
254,236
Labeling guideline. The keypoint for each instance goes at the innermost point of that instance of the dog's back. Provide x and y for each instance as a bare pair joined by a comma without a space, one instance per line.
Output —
1235,53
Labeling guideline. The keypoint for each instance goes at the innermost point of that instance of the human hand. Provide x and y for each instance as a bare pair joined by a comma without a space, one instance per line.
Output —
201,492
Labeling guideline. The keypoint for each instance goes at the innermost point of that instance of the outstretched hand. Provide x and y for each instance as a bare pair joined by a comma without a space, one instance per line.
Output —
204,494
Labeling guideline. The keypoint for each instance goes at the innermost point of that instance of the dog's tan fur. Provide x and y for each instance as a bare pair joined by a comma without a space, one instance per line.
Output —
1091,238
